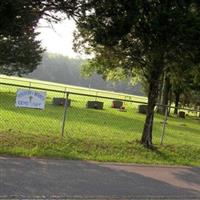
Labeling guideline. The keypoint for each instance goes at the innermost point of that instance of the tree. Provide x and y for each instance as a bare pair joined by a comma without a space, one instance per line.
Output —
20,52
144,35
186,83
19,55
17,17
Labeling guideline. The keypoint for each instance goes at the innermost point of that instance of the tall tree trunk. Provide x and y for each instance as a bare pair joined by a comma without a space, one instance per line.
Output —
155,71
177,99
146,139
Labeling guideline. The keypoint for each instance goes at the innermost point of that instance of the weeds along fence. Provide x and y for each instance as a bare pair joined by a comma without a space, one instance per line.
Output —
72,114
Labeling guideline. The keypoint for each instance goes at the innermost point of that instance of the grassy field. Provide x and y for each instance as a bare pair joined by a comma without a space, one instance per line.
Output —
70,88
102,135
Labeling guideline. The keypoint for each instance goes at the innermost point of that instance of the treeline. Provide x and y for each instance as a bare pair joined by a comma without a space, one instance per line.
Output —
62,69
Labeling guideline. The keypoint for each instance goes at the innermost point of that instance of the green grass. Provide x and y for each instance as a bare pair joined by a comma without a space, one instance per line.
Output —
32,145
102,135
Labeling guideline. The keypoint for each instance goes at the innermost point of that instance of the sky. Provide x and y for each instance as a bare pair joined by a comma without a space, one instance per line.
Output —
59,38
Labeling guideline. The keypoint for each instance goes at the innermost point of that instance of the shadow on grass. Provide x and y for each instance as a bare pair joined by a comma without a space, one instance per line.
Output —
78,115
181,124
120,121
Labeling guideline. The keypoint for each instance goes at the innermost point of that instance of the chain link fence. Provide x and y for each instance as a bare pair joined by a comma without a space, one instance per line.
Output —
85,115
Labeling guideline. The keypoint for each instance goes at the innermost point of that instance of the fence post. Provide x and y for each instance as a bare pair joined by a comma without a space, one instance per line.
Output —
29,85
65,90
65,114
96,96
164,125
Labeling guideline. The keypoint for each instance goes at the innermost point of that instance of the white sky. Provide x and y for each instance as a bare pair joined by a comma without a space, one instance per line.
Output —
59,38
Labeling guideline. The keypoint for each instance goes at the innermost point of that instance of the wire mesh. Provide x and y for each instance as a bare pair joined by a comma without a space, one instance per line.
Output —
90,117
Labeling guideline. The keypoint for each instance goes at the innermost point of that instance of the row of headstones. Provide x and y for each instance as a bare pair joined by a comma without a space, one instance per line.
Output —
99,105
90,104
143,109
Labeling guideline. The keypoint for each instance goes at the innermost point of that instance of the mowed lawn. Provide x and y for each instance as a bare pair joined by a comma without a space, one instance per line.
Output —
102,135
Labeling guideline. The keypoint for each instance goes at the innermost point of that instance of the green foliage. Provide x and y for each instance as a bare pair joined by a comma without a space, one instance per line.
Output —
19,55
17,17
20,52
143,35
92,66
185,81
133,33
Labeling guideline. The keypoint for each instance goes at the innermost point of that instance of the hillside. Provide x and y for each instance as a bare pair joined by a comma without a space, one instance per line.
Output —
61,69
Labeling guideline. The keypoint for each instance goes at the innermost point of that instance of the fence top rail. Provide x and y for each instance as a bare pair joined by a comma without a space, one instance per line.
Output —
74,93
96,96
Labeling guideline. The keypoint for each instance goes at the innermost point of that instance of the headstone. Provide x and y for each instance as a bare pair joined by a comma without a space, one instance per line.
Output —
142,109
181,114
95,104
61,101
117,104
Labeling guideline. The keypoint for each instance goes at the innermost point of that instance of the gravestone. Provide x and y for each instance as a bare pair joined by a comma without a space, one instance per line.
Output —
181,114
117,104
142,109
61,101
95,104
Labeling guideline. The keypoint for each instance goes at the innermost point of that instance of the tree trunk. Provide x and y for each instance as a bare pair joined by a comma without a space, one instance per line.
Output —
155,71
177,98
164,95
146,139
160,91
170,100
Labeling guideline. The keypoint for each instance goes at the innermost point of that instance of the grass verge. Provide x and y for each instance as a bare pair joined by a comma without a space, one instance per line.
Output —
97,150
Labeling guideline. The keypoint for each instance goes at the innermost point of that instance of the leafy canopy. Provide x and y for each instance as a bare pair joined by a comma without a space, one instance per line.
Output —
20,52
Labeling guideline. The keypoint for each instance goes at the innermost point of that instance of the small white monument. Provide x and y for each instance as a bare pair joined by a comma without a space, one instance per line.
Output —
30,99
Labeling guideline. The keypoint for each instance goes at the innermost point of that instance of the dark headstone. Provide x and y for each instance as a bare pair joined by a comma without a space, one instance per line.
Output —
142,109
95,104
61,101
181,114
117,104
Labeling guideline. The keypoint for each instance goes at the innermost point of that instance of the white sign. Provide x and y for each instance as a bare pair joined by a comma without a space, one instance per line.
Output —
30,99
